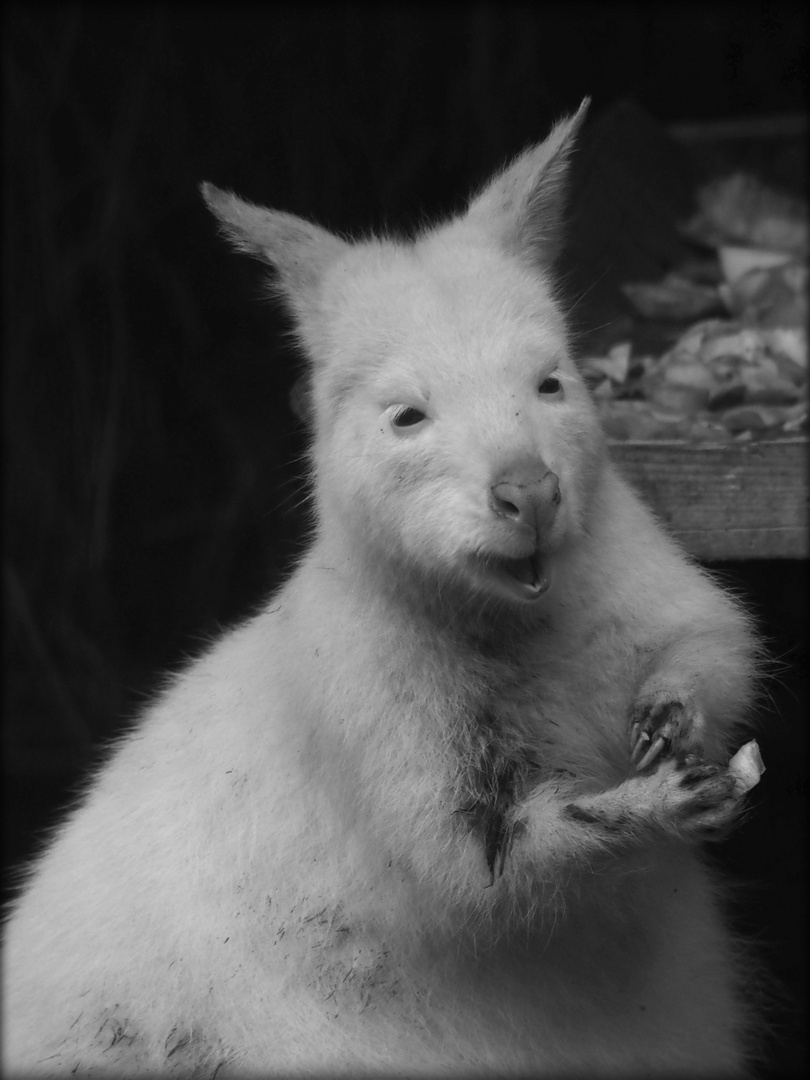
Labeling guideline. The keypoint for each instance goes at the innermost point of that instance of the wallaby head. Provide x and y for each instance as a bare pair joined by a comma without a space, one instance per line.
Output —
453,435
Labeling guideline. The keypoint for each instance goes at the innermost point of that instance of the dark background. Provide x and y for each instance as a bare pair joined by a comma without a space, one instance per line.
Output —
152,463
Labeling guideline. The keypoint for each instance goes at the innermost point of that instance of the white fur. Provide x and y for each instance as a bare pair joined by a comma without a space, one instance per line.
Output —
278,870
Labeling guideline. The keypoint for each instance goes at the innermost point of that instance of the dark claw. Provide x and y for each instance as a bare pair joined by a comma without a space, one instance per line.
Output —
639,741
657,745
658,728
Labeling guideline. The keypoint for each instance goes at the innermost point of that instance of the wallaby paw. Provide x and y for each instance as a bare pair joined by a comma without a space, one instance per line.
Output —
661,725
682,795
696,798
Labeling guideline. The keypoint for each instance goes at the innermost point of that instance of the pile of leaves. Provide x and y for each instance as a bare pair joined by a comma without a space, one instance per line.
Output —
738,367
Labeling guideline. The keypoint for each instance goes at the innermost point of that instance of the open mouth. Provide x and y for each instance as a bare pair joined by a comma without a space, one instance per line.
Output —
523,579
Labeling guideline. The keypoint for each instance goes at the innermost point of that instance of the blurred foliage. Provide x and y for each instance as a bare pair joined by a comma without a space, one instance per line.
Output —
136,498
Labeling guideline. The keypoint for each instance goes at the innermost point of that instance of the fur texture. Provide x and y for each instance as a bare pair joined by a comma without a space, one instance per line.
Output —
438,807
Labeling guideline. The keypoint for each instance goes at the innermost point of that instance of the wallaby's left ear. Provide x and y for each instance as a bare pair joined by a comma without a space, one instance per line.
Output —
299,251
522,207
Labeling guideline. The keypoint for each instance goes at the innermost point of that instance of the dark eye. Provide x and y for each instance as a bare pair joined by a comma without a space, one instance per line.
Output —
551,385
407,417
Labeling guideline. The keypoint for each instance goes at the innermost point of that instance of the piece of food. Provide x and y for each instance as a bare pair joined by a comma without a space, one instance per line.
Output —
746,767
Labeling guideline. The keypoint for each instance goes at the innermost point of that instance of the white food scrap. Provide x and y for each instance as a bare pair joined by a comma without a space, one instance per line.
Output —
746,767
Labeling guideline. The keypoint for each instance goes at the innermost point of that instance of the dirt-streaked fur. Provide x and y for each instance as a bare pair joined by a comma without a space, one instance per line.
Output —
392,824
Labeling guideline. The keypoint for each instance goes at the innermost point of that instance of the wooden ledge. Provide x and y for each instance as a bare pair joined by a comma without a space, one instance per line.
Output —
725,501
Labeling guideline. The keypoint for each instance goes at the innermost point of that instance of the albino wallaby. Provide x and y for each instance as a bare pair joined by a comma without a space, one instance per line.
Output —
438,807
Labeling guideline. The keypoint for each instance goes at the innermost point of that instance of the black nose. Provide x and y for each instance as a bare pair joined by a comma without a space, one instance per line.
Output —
526,502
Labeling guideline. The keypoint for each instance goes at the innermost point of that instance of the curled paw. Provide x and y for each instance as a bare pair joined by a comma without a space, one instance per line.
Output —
661,725
700,798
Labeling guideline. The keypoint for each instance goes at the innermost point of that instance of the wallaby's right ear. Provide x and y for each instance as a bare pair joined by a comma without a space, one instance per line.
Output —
300,251
523,206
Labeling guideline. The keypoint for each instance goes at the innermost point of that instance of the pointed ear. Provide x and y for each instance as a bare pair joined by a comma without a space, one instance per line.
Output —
522,207
299,251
